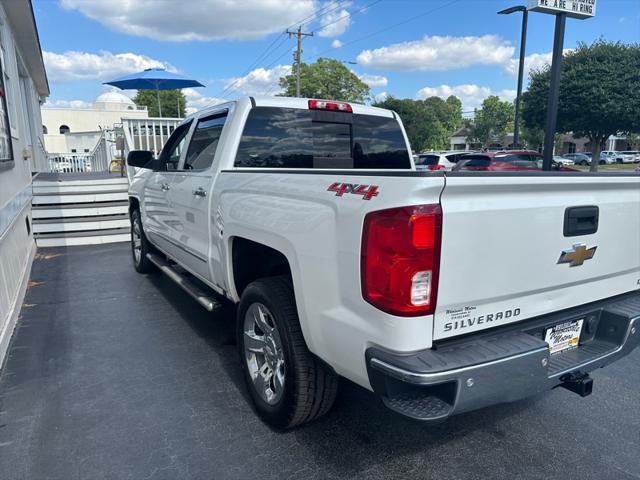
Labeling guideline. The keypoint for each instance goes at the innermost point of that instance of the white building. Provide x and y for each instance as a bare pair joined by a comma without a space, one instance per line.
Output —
77,130
23,81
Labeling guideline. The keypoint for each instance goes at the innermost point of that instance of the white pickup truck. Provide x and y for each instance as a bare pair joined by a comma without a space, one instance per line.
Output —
441,292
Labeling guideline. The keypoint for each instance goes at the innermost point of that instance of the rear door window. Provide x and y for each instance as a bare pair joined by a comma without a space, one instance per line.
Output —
296,138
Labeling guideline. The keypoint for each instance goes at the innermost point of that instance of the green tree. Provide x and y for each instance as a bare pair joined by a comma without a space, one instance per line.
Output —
599,93
328,79
633,139
492,121
429,123
532,137
169,100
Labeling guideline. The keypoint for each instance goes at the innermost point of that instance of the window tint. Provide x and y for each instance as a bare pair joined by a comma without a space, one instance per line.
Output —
454,157
296,138
474,161
172,150
204,142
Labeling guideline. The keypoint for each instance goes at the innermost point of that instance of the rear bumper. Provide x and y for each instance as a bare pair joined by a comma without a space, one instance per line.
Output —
502,366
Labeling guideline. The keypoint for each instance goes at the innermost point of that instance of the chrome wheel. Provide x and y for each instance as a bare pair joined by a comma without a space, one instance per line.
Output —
136,241
264,353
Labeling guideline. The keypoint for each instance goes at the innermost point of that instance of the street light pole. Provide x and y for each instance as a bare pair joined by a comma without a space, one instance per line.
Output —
523,48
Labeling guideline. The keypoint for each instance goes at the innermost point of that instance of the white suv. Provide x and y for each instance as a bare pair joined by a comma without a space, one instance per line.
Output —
438,160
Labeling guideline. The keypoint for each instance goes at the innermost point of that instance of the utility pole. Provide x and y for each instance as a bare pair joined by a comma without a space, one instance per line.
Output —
298,54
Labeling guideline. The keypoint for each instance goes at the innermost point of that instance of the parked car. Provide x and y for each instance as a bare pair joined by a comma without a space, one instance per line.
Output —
438,160
580,158
505,161
617,157
635,155
440,293
563,161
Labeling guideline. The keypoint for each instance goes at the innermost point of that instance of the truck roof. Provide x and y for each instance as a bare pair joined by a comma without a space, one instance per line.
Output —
302,103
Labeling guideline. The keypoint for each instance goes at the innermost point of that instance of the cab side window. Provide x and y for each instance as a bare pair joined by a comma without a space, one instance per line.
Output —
204,142
172,150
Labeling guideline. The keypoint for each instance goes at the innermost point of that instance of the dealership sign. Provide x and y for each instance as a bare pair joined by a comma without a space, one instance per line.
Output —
573,8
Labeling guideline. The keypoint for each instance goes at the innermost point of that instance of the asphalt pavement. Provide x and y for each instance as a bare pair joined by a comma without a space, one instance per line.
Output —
116,375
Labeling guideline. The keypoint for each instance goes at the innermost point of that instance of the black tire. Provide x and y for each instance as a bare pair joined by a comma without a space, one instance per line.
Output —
309,387
602,162
584,163
141,263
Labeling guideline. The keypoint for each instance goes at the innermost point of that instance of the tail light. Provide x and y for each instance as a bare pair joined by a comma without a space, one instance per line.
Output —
401,258
333,106
436,167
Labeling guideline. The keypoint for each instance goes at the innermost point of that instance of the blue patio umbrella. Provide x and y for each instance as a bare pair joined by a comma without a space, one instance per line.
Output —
154,79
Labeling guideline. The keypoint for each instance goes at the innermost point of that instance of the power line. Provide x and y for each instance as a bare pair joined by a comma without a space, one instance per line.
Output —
267,51
377,32
362,9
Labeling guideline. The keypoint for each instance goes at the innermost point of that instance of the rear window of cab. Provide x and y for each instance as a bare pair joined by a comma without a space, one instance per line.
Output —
277,137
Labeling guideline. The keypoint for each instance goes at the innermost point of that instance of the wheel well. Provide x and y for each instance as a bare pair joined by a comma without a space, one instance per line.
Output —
133,204
252,260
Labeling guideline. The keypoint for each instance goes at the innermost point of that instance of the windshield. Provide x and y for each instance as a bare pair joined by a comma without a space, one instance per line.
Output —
296,138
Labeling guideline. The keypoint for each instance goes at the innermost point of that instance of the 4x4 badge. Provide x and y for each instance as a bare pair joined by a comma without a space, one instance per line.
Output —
577,255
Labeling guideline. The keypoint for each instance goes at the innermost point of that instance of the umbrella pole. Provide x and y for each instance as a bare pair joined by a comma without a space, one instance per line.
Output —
159,106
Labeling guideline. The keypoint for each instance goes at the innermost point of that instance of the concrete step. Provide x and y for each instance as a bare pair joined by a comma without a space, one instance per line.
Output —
77,224
86,197
65,239
82,210
40,188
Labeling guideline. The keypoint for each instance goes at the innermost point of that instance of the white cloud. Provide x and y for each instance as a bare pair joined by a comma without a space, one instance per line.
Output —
336,43
74,65
195,20
439,53
374,80
197,101
336,21
381,97
67,103
260,81
470,95
534,61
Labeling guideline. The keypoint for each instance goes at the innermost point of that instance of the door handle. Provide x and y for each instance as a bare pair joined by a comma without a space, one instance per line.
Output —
165,187
200,192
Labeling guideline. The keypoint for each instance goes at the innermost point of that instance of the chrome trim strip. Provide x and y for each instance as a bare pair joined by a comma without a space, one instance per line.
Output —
403,374
181,247
13,208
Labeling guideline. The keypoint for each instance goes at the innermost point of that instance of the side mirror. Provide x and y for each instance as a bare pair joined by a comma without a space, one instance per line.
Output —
140,159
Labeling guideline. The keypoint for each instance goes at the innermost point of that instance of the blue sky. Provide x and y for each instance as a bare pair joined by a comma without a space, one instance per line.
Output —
444,46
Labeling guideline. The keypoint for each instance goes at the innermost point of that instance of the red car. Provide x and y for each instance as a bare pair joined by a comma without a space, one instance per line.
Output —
514,160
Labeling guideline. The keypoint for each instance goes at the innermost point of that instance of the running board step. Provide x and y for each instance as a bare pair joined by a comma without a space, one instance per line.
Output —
188,286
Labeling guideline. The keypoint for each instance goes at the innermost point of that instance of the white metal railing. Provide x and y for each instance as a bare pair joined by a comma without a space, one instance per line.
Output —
98,160
148,133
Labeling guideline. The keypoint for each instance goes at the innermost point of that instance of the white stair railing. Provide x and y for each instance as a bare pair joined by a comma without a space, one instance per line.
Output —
146,134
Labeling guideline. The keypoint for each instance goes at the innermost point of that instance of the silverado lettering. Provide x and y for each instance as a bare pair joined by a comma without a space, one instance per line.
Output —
470,322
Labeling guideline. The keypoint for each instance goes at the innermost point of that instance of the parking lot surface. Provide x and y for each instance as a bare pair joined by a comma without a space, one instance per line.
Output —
116,375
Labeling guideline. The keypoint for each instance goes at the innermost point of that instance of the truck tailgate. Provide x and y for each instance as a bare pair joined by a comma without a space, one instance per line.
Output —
507,254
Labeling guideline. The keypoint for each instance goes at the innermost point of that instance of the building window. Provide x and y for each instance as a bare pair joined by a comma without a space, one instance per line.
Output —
6,148
44,129
64,129
86,150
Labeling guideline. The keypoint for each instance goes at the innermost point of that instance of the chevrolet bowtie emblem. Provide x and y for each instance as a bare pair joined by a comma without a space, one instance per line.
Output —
577,254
